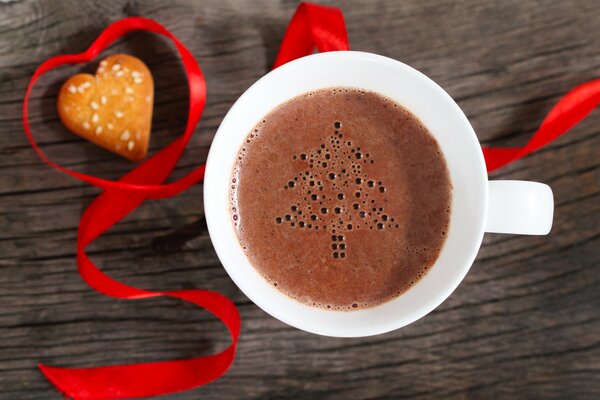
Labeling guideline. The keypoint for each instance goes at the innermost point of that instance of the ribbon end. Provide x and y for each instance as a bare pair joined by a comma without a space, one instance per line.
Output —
52,375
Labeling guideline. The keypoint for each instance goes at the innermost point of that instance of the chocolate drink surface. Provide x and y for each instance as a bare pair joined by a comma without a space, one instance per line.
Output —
341,198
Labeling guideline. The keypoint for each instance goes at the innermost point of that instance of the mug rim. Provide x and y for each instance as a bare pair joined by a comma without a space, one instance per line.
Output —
215,225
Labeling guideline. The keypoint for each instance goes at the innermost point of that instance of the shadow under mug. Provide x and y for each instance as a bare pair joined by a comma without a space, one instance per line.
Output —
478,206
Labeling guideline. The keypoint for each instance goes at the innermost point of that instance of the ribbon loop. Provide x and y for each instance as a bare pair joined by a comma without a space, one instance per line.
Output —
312,26
168,156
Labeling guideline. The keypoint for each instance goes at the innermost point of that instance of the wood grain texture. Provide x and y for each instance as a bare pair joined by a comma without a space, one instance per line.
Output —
525,322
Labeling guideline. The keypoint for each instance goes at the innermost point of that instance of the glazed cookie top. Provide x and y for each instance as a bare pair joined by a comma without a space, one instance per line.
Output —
113,108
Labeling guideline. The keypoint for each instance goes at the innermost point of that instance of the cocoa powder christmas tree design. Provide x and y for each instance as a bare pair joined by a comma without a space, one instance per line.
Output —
336,167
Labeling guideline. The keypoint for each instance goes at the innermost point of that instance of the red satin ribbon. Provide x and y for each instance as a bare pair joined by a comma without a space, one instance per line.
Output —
117,200
312,26
568,112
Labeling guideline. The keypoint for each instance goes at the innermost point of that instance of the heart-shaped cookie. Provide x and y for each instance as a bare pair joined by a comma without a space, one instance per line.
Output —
113,108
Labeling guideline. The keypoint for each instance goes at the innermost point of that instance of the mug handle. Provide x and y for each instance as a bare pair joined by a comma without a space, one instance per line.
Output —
520,207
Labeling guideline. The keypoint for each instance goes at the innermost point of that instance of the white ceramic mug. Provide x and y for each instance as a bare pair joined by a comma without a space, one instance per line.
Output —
478,206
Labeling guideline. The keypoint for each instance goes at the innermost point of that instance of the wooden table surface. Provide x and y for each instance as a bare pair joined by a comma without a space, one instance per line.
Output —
525,323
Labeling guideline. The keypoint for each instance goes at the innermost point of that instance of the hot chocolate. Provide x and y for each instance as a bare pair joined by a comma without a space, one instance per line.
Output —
341,198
